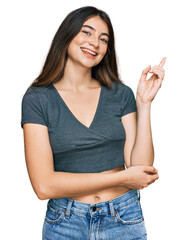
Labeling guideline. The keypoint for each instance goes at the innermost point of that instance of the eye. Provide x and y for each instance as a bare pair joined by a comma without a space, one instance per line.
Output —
87,33
103,40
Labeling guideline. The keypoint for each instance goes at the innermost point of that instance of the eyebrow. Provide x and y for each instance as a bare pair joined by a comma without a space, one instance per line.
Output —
95,30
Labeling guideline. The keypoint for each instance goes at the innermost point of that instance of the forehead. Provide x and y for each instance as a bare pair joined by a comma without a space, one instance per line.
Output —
97,23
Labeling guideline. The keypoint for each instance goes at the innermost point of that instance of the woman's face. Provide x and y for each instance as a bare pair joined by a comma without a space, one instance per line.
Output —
89,46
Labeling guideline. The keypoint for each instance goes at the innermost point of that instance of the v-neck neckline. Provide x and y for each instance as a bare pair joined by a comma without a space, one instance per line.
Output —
74,117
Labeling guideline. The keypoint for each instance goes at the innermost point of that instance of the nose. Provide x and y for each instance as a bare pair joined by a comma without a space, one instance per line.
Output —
94,42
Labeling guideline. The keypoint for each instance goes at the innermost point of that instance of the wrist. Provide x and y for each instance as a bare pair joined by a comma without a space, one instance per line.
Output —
122,178
142,105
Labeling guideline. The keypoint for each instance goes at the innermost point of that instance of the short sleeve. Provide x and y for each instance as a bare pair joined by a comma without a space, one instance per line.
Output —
31,109
128,101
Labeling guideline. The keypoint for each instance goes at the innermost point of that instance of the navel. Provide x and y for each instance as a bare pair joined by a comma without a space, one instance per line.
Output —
97,198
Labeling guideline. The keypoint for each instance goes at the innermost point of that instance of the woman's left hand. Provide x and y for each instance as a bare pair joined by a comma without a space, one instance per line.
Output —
148,88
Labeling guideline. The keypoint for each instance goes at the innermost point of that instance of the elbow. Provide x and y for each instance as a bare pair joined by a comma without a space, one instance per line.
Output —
41,192
41,196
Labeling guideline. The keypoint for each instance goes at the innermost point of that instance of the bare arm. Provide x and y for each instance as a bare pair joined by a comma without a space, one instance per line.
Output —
139,145
50,184
138,174
138,149
143,150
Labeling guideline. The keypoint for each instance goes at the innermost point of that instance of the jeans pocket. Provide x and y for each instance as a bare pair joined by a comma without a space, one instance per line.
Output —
54,213
131,213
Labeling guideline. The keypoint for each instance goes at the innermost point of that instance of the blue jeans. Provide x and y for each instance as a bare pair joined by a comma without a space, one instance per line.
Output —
118,218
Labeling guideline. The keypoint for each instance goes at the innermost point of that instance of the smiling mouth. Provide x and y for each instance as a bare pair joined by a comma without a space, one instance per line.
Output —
89,52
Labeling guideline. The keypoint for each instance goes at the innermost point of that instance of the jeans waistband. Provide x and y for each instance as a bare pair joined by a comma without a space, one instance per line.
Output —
99,208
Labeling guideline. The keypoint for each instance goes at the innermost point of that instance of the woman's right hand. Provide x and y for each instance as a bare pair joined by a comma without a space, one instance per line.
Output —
139,177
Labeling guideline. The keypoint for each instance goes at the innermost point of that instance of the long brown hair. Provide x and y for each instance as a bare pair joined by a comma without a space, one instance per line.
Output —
105,72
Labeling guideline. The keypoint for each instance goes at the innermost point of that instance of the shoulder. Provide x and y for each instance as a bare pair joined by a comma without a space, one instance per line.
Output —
36,98
37,90
120,89
33,108
37,94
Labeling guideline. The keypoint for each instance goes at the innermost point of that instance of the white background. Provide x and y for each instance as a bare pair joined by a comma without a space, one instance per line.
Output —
145,32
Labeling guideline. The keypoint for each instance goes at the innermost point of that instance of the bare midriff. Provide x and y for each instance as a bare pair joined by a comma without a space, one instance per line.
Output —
104,195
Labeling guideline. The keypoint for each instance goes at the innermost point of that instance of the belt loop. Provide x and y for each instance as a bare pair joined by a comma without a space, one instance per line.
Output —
112,211
138,194
68,208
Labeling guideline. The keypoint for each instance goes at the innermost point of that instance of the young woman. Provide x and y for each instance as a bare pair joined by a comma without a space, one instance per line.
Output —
88,142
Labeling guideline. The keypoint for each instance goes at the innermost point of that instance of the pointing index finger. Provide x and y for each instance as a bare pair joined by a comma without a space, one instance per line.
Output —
162,62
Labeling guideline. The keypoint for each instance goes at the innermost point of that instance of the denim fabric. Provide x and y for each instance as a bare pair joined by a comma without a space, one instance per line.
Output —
118,218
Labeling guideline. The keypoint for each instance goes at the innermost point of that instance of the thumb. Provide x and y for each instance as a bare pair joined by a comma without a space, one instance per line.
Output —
144,73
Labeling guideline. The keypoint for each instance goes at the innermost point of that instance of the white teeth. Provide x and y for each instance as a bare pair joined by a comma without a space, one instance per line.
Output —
86,50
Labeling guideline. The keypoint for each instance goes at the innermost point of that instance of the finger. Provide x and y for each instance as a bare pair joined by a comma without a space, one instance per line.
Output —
155,177
158,68
162,62
144,73
150,169
159,73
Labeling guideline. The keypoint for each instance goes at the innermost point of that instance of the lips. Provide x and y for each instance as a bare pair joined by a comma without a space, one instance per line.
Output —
89,51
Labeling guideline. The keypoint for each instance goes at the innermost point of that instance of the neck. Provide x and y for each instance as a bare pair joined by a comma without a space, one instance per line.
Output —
76,76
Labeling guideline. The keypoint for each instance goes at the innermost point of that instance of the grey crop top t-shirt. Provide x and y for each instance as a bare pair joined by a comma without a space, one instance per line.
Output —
77,148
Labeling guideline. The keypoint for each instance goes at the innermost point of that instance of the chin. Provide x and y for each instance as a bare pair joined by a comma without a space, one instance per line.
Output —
88,64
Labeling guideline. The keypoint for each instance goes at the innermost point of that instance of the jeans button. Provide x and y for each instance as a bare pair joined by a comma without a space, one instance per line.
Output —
94,209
